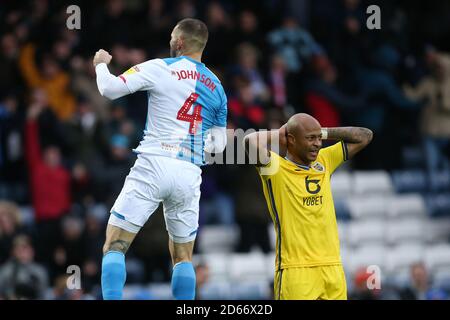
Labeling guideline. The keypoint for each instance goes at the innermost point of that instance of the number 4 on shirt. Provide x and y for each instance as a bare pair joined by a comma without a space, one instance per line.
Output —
195,118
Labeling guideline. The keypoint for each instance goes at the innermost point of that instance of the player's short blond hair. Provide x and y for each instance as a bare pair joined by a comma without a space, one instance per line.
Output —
194,33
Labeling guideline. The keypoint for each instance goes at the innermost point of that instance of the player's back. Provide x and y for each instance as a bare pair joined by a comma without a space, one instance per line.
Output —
185,99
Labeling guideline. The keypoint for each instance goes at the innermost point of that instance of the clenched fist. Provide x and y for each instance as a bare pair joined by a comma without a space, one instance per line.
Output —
101,56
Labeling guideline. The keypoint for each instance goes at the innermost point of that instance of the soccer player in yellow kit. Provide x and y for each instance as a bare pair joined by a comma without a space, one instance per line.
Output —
296,184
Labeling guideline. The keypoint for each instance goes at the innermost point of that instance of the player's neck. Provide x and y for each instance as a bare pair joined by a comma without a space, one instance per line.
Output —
296,160
195,56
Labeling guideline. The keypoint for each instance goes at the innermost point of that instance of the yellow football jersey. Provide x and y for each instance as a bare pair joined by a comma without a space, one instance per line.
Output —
301,206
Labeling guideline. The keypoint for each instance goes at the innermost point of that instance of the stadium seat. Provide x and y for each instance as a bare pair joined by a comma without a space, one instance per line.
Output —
372,182
440,181
438,204
367,255
409,181
368,207
216,290
400,258
413,156
346,253
438,257
401,278
405,230
252,290
341,209
218,264
160,291
135,270
217,238
437,230
441,279
130,291
366,232
270,265
407,205
272,236
341,184
343,230
247,266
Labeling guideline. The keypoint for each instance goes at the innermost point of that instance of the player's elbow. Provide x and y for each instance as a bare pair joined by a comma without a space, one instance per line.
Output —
369,135
106,92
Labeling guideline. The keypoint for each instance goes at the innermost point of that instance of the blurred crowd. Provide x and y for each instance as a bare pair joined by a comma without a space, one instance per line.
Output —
65,150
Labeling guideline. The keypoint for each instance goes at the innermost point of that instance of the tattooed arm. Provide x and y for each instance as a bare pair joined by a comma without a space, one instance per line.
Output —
356,138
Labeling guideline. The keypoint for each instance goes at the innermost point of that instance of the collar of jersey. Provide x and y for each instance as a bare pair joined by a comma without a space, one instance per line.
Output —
192,60
301,166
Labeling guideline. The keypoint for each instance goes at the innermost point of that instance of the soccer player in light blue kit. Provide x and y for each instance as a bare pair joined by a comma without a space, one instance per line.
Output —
187,111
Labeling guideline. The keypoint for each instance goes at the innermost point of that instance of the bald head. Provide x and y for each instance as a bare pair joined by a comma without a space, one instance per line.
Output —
302,122
304,138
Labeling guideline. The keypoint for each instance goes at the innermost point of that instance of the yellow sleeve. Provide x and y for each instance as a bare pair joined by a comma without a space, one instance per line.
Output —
335,155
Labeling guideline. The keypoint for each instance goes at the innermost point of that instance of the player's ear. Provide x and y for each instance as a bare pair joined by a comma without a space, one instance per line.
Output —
291,139
180,43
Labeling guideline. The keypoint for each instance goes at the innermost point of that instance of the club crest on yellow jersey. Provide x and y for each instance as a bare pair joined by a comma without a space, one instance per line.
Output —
318,167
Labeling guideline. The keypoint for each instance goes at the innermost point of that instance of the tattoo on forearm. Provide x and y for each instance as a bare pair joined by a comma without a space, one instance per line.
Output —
119,245
350,134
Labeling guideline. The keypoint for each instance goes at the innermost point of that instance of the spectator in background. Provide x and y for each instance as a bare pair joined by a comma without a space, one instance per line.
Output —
87,135
111,174
82,185
62,292
71,250
114,14
9,53
435,117
296,47
377,83
10,227
247,66
244,110
82,73
294,44
421,286
350,42
51,78
219,28
12,162
324,100
21,277
248,30
49,184
155,25
184,9
278,81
